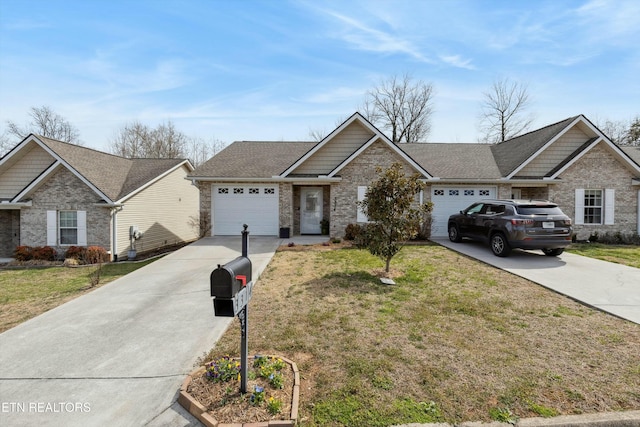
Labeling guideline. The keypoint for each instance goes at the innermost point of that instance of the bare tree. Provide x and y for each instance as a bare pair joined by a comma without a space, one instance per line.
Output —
633,134
503,111
401,107
317,134
5,143
48,123
622,132
137,140
199,150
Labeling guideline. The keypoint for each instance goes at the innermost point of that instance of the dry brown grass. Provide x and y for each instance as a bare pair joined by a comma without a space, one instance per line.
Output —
453,331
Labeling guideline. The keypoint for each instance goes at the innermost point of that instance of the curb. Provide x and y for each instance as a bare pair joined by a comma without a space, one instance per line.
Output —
605,419
200,412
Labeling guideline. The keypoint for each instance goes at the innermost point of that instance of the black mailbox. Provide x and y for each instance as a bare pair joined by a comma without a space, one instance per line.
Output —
227,280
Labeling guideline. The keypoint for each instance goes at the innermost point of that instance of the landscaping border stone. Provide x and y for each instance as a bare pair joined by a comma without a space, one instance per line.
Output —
196,409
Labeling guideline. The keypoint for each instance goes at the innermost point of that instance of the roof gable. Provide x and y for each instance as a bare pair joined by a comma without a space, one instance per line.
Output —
111,177
514,153
341,146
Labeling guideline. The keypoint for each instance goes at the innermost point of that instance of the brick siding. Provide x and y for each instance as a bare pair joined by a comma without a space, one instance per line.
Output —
64,191
599,169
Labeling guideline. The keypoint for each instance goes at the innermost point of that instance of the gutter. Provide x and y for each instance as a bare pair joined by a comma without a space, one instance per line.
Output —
5,204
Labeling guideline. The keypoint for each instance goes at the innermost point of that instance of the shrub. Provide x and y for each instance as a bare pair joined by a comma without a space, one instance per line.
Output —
425,227
617,238
96,255
76,252
44,253
352,231
23,253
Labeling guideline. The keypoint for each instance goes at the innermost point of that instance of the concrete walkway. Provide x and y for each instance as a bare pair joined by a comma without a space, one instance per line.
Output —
117,356
610,287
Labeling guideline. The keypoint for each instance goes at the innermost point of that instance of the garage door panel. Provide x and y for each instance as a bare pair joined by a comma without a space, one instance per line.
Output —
448,200
235,205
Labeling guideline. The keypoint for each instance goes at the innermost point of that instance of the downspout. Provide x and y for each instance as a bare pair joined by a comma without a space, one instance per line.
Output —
114,233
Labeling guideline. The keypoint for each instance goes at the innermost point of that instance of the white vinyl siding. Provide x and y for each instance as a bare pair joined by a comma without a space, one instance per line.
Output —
166,213
336,151
23,171
555,154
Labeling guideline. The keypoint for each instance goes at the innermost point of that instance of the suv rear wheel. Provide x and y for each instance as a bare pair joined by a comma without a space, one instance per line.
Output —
553,252
499,245
454,233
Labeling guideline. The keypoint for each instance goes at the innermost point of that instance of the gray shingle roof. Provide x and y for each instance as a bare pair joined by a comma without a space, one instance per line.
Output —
633,152
512,153
454,160
113,175
253,159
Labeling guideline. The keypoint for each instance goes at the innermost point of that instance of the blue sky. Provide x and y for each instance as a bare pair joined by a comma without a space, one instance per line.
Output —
273,70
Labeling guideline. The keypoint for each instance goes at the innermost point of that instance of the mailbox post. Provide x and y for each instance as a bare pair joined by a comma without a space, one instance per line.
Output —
231,287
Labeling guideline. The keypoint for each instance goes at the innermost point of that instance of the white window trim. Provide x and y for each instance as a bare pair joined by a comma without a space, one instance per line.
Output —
53,228
608,206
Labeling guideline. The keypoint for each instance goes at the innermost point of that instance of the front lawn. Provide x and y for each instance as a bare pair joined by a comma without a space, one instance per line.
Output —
455,340
621,254
26,293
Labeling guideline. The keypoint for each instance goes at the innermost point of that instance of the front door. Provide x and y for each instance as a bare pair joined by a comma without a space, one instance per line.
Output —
310,210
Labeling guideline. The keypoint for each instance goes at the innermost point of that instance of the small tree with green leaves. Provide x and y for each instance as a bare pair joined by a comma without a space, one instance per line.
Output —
390,204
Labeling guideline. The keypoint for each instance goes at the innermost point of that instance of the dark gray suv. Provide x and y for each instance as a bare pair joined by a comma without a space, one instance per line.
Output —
508,224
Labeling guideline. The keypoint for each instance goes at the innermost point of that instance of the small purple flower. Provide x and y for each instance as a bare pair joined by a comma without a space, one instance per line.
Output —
259,389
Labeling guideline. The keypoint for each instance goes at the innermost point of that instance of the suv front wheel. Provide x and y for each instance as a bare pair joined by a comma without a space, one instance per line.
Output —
499,245
454,233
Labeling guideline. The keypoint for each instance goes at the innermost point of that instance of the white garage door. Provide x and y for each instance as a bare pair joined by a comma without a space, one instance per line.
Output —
237,204
451,200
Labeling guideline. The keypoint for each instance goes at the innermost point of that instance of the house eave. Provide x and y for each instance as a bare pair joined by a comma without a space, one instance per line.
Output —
315,180
5,205
536,182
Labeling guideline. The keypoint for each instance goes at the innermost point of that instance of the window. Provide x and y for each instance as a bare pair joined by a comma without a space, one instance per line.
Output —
438,192
66,228
223,191
454,192
485,193
238,190
469,192
594,206
254,191
269,191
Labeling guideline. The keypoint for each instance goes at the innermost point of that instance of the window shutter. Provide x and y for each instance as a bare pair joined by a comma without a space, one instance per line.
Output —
579,206
361,216
82,228
609,206
52,228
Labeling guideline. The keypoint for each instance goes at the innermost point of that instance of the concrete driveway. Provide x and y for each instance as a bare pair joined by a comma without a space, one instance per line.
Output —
610,287
118,355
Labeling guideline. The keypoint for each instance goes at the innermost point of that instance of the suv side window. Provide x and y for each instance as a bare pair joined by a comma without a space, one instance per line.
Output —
495,209
475,208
